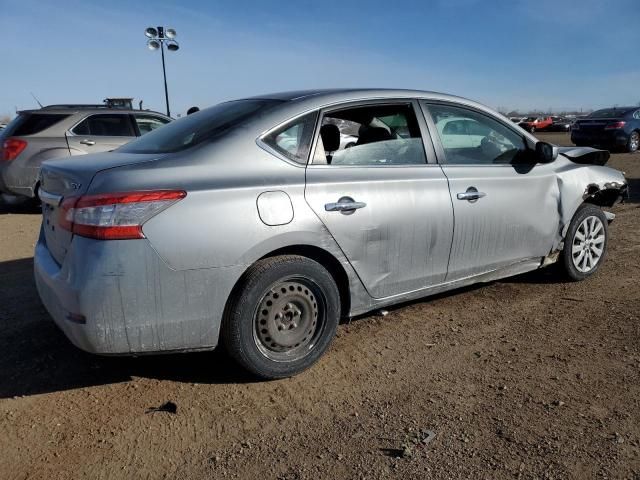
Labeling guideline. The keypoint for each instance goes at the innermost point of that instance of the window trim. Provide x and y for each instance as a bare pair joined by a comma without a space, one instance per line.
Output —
134,128
440,153
427,143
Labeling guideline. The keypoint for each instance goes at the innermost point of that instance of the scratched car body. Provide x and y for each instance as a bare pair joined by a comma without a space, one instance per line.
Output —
249,224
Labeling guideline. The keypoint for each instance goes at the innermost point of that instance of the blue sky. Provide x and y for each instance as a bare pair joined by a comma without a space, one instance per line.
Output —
515,54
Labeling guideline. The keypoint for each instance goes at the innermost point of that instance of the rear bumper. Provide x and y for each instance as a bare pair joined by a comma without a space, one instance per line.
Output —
119,297
612,138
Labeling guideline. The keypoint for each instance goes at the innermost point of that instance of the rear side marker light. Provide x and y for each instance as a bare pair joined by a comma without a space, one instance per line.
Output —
11,148
615,126
115,216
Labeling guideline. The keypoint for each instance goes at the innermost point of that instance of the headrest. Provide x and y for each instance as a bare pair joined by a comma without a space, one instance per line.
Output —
330,134
373,134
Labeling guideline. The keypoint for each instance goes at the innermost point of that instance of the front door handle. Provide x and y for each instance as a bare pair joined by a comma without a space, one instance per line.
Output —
345,205
472,194
87,142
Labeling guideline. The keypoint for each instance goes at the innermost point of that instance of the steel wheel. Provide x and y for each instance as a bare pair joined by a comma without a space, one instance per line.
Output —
289,320
588,244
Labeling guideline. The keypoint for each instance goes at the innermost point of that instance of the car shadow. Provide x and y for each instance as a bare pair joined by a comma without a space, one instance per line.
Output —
22,208
634,190
37,358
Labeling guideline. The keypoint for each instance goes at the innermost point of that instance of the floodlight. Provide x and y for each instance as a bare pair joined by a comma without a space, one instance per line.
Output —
151,32
153,44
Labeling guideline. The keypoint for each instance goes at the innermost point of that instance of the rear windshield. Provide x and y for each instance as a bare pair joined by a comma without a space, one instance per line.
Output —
32,123
198,127
609,113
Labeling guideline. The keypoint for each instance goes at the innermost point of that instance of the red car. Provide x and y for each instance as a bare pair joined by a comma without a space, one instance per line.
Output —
531,124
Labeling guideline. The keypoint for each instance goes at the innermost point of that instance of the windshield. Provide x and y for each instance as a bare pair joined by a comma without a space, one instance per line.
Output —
609,113
198,127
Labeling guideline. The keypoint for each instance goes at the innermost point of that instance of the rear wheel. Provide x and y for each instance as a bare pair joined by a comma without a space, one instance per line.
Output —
532,129
586,242
634,142
282,317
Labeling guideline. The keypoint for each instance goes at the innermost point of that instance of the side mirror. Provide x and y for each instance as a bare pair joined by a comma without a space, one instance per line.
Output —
545,152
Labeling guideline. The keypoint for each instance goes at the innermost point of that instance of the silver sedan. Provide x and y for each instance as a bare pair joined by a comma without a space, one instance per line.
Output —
250,224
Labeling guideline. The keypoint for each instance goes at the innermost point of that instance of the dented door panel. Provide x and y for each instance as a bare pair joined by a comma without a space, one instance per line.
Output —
400,240
518,217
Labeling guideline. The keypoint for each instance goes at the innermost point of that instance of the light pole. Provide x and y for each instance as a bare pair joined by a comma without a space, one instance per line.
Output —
158,36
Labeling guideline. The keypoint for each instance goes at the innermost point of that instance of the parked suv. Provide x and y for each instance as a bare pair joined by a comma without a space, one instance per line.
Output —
613,128
59,131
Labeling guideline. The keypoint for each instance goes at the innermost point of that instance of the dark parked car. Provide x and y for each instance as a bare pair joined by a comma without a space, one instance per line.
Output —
611,128
559,124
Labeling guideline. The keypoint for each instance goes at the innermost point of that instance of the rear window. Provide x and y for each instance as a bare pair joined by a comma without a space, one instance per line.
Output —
198,127
32,123
609,113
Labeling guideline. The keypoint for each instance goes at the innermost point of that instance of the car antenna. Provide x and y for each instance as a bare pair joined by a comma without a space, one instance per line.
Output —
34,97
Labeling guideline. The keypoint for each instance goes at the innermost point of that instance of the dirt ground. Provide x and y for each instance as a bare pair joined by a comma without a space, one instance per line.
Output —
528,377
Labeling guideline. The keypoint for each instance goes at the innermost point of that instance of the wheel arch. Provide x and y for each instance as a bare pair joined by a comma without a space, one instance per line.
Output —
607,196
318,254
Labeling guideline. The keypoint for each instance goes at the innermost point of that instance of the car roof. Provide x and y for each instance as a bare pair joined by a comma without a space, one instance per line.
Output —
70,110
339,94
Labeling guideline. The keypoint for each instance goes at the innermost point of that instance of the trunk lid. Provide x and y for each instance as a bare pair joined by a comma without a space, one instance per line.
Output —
596,125
70,177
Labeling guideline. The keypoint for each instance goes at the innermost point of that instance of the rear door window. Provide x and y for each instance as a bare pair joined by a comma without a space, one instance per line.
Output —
370,135
32,123
106,125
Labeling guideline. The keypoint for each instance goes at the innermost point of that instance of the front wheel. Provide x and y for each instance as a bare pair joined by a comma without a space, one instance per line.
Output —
282,317
634,142
586,242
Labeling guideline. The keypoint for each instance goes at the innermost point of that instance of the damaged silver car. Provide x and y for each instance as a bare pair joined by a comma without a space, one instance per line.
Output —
252,224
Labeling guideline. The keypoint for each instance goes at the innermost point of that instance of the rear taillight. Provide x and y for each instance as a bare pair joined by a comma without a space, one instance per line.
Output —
615,126
114,216
11,148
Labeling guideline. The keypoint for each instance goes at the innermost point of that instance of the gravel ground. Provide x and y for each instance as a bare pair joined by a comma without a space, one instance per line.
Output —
528,377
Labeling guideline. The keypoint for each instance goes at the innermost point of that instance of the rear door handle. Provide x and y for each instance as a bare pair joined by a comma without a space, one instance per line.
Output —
345,205
472,194
87,142
342,207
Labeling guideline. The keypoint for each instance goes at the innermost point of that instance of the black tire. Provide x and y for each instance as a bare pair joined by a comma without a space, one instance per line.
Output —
306,303
633,143
569,257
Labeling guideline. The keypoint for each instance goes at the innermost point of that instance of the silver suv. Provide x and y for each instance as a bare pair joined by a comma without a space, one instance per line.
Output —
59,131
